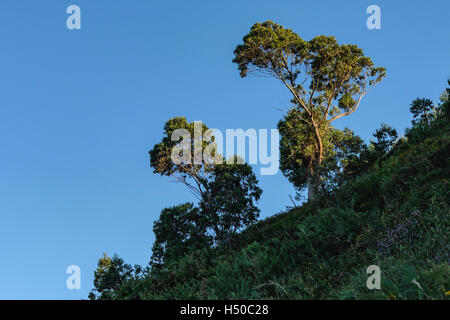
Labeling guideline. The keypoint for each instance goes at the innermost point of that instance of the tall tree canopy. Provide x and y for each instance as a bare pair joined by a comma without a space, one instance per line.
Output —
327,80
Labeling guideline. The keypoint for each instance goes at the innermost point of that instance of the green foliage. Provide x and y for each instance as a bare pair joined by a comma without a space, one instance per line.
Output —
297,148
179,229
114,279
189,143
422,110
386,136
230,206
338,71
402,281
341,151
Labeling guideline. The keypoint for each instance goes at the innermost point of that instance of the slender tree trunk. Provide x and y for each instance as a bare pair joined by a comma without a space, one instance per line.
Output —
319,146
313,179
311,188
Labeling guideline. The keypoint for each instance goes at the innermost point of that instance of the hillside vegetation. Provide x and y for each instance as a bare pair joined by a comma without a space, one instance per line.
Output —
391,210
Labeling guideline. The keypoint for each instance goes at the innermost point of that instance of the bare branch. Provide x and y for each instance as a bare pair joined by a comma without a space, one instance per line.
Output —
350,111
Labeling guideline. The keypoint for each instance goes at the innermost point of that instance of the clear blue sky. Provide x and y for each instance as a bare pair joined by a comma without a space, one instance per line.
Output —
79,111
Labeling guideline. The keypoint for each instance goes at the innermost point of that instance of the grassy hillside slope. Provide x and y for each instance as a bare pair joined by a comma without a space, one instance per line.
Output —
395,215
